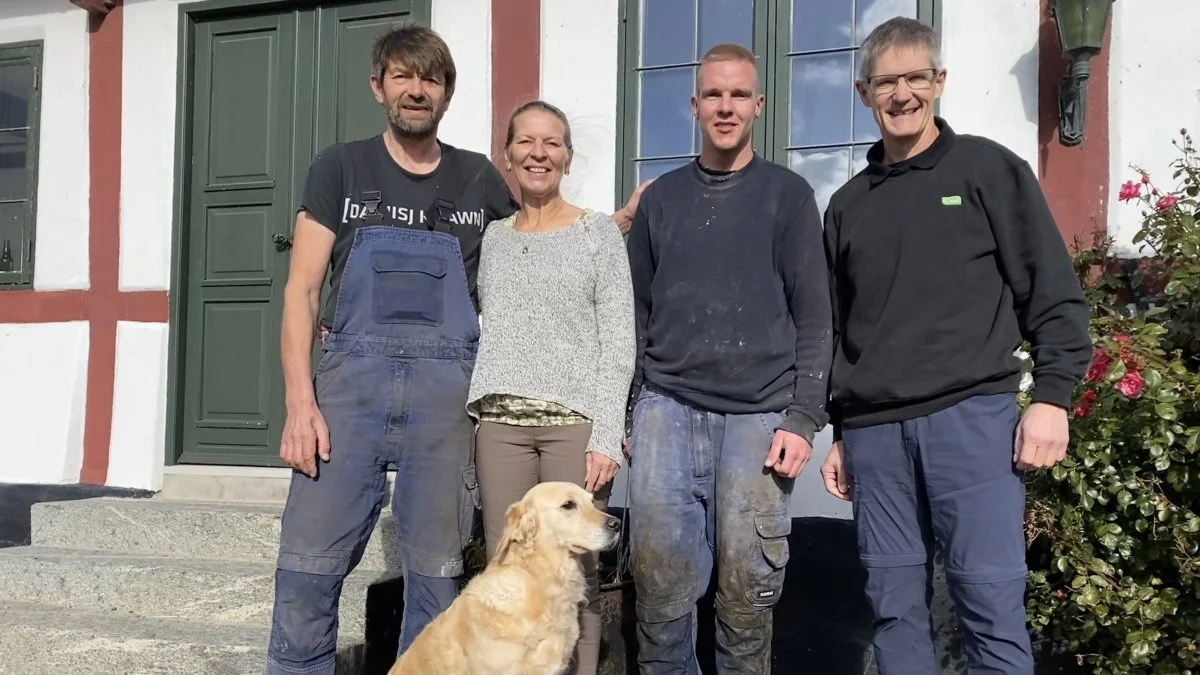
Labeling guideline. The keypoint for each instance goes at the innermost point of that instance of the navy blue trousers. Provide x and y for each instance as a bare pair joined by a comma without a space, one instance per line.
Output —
947,477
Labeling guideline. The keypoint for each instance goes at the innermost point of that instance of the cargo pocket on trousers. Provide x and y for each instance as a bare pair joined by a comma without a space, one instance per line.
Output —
407,288
769,559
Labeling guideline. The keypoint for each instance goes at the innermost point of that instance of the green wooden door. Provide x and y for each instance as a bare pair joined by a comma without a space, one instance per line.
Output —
268,90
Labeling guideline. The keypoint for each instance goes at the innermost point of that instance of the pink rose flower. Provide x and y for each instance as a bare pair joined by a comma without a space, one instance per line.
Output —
1100,363
1132,384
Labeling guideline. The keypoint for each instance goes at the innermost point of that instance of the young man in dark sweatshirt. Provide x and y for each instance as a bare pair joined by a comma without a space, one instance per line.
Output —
943,256
731,300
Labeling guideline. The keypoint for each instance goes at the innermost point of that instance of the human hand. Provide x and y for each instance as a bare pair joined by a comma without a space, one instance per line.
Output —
628,440
624,215
1041,438
837,477
600,470
305,436
789,453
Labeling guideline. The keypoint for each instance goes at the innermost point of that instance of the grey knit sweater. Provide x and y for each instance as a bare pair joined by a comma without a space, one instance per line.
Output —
557,314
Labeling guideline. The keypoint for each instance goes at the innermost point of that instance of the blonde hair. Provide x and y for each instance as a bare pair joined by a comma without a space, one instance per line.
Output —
544,107
728,51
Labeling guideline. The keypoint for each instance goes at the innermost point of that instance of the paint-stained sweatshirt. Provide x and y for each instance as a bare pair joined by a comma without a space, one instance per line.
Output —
731,292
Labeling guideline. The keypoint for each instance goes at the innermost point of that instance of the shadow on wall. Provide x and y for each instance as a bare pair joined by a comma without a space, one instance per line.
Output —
1025,70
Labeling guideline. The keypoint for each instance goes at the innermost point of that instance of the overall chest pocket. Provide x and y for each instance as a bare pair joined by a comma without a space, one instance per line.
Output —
408,288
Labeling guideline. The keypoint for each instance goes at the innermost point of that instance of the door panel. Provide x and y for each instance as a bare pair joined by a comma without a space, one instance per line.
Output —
346,105
239,196
268,91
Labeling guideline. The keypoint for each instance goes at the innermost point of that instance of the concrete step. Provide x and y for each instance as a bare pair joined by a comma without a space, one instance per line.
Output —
38,638
238,532
231,483
159,587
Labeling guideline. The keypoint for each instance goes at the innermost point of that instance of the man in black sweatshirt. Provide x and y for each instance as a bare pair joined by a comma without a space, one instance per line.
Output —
731,299
943,256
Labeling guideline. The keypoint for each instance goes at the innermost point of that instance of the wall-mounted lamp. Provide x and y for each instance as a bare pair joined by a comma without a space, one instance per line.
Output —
1081,25
97,7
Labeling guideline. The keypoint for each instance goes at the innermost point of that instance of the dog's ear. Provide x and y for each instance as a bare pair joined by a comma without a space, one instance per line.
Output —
520,527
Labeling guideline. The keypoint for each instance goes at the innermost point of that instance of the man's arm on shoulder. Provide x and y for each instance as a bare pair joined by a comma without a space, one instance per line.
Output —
1051,309
806,283
623,216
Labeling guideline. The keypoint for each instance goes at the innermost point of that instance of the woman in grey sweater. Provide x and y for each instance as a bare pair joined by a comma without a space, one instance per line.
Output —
557,350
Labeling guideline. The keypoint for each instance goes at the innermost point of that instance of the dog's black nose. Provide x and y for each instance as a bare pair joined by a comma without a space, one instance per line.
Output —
613,524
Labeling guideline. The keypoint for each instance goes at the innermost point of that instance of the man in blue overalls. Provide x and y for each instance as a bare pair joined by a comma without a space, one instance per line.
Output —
397,219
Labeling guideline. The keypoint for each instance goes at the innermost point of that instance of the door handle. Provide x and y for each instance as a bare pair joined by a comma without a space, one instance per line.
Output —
283,242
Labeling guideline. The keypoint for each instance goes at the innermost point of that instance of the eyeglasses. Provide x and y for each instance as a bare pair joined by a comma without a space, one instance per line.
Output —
917,80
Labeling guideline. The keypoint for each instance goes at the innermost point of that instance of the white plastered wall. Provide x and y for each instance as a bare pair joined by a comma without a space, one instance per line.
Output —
991,52
583,83
42,418
1153,92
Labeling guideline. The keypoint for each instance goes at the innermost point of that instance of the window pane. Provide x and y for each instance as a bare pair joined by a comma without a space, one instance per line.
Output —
865,128
858,159
820,99
825,170
657,167
12,226
12,165
821,24
725,21
666,112
15,83
870,13
668,32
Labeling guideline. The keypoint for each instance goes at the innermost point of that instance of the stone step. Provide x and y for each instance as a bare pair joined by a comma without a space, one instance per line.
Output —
159,587
231,483
37,638
236,532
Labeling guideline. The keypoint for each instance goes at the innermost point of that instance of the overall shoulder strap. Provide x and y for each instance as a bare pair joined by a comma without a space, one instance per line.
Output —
364,182
447,188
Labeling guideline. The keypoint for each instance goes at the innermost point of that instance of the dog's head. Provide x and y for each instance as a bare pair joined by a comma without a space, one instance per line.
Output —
557,515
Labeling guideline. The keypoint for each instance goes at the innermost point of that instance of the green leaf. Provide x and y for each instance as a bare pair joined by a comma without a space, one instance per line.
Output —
1166,411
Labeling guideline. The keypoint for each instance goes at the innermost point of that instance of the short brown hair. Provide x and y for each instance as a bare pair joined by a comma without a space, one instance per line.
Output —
728,51
417,47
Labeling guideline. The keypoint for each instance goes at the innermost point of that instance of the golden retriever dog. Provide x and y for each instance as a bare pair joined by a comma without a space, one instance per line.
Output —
520,615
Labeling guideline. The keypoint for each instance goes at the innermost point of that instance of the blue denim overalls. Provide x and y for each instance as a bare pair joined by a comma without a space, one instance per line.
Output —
392,385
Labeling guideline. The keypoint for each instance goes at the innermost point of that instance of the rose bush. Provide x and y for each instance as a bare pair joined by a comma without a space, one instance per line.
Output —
1114,529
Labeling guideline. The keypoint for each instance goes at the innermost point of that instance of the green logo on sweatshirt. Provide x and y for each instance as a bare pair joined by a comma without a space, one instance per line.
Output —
952,200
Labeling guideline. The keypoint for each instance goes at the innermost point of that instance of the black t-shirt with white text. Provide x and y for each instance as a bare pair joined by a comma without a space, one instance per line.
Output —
334,187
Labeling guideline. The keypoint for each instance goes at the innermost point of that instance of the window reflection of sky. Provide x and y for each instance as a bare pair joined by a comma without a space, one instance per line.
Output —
16,82
829,129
